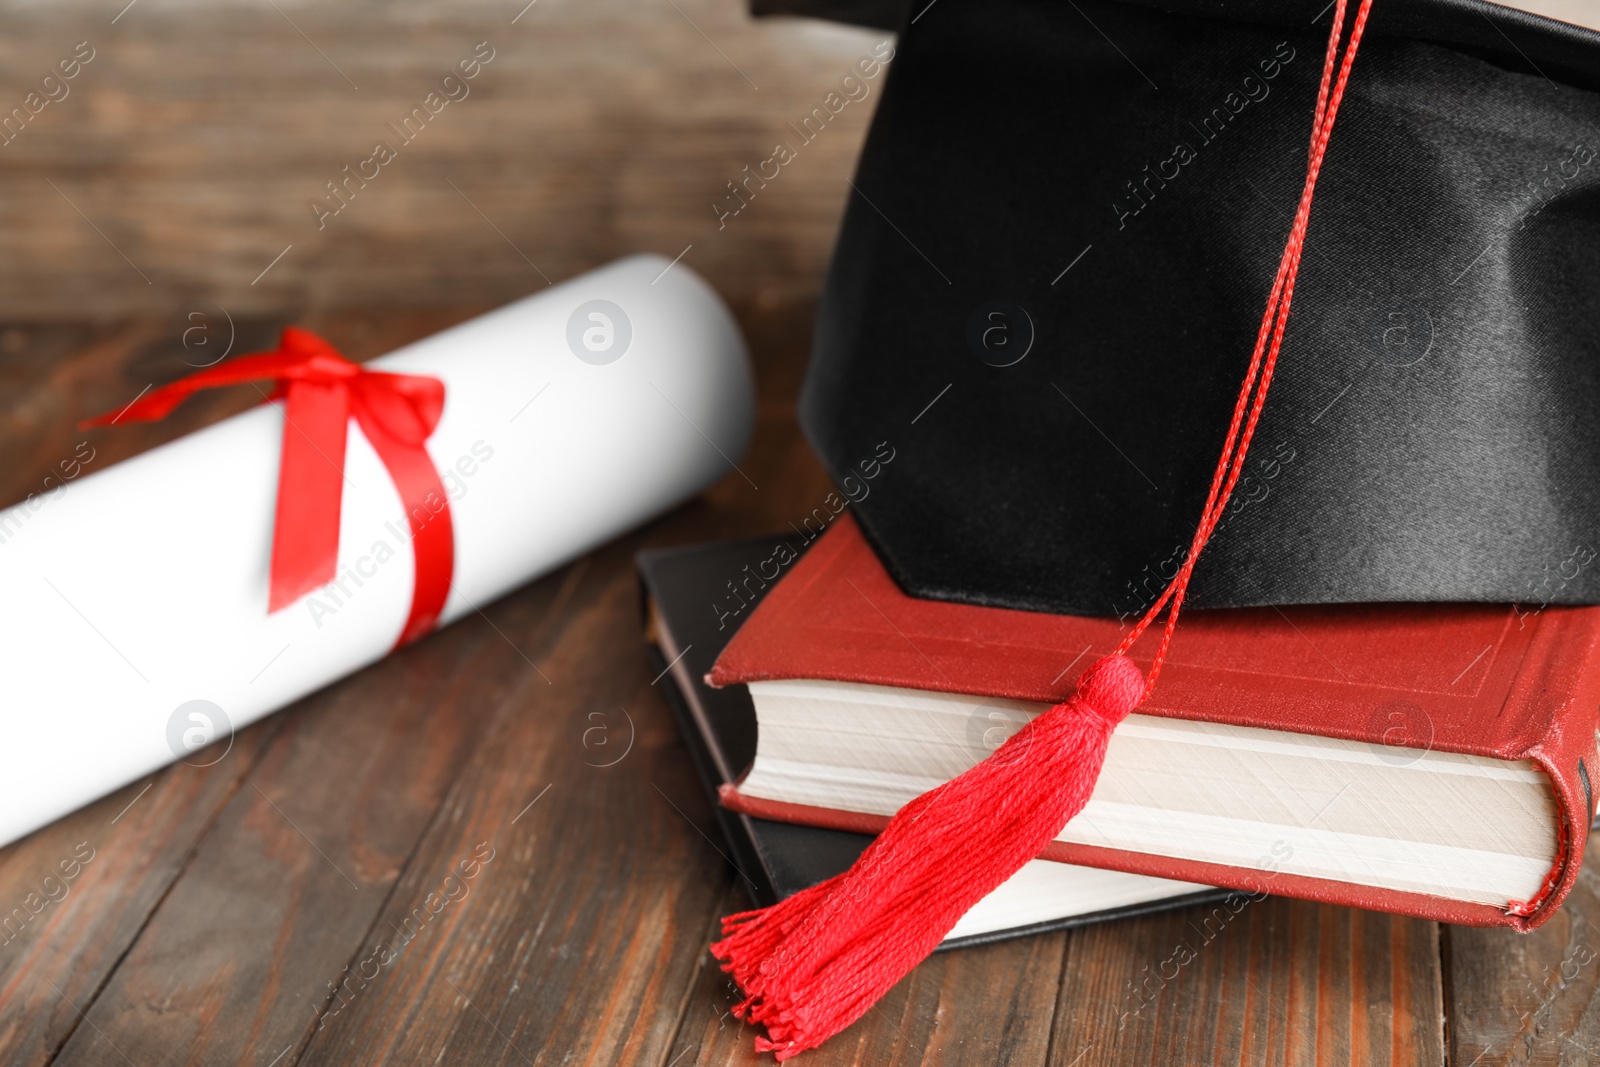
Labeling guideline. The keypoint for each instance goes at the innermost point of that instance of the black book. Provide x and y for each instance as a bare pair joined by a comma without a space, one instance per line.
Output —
689,616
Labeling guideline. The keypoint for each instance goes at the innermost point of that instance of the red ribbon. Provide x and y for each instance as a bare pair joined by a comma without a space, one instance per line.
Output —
397,412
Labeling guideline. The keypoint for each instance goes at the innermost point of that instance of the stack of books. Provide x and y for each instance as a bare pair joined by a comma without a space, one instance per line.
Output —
1423,759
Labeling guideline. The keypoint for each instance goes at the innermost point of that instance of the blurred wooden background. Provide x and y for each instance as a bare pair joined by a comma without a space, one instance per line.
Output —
187,152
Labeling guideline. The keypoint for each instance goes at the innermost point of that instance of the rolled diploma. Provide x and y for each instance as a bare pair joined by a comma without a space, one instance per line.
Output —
136,589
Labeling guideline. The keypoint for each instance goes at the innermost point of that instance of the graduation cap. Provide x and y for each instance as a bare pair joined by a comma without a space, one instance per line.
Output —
1081,238
1054,261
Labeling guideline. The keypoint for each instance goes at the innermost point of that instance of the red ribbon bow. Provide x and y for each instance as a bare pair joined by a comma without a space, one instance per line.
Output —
397,412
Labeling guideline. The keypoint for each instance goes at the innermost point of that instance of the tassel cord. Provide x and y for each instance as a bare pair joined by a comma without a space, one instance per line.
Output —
1264,358
815,962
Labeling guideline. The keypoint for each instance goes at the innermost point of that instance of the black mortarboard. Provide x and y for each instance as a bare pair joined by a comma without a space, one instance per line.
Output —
1057,253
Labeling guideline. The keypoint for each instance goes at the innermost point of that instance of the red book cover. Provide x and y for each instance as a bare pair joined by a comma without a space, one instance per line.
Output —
1500,681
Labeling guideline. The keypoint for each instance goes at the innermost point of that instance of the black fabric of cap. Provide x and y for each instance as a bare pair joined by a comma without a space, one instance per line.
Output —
1053,264
1509,34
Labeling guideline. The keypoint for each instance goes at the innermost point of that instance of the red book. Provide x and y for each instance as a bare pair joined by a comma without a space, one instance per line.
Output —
1425,759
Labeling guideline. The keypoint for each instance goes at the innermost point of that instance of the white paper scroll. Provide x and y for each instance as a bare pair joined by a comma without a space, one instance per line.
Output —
570,416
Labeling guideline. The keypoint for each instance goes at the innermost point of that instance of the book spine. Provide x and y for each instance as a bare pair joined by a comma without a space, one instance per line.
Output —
1562,676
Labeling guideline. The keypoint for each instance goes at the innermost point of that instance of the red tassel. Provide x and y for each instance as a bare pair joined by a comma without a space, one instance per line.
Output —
813,964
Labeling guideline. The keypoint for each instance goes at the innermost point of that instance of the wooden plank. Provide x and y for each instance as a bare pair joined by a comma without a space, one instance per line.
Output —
987,1005
1278,982
190,149
1271,982
1529,998
65,922
582,932
76,894
290,879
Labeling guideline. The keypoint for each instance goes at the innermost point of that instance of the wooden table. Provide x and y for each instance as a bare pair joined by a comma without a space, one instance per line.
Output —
233,914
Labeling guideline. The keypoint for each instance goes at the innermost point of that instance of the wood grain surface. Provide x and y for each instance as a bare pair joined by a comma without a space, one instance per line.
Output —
292,903
306,899
186,154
